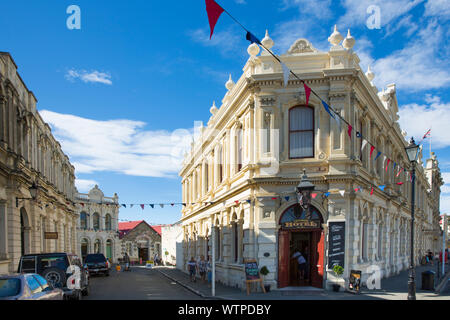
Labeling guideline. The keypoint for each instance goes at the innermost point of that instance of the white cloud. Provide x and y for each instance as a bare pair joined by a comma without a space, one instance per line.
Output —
121,146
311,8
440,8
420,65
356,11
436,115
85,185
445,204
85,76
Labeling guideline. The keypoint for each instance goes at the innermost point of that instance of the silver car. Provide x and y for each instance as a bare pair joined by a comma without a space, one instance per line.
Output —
29,286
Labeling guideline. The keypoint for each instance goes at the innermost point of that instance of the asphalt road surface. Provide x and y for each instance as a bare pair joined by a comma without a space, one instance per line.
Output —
138,284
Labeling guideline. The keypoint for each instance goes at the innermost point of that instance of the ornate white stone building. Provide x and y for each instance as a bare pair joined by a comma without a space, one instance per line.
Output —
31,159
241,172
98,224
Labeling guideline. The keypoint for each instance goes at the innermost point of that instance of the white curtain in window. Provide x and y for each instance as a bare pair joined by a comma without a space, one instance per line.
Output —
301,142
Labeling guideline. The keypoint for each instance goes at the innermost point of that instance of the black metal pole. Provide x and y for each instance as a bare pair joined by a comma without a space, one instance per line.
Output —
411,280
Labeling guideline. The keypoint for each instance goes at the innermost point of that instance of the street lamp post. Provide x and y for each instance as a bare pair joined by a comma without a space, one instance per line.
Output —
304,190
412,150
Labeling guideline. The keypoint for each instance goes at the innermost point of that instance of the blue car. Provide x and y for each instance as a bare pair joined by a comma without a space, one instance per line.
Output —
27,287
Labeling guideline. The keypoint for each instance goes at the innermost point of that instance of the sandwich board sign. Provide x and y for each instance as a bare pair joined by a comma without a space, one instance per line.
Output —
252,274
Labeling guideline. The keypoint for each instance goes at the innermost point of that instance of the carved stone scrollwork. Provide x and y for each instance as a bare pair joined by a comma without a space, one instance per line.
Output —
301,46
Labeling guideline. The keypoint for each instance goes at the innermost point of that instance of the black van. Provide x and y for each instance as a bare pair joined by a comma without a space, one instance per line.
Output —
96,263
54,268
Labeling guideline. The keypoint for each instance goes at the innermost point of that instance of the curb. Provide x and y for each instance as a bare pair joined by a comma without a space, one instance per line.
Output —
190,288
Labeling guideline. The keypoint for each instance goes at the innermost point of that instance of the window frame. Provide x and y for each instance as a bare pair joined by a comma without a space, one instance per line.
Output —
313,130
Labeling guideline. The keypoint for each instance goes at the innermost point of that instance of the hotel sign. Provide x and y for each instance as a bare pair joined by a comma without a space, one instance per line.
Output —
302,224
51,235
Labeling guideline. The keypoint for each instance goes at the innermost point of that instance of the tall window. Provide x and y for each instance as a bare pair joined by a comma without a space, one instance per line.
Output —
96,221
365,228
108,222
239,150
361,140
380,241
301,132
236,231
220,158
218,242
83,221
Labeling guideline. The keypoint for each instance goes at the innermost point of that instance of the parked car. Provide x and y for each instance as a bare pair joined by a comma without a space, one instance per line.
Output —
97,264
54,268
28,287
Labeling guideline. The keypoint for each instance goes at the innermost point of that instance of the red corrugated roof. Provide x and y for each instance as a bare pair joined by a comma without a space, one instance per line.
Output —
157,229
126,226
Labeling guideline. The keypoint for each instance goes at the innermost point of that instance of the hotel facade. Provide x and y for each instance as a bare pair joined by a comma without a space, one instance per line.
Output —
240,175
37,181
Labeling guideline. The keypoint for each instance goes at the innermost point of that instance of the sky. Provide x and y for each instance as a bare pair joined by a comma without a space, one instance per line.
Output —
123,92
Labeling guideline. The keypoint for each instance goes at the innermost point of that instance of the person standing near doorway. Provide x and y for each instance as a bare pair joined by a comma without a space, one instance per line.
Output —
202,266
301,261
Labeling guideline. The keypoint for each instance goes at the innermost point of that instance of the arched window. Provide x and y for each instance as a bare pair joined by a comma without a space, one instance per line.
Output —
96,221
108,222
83,221
301,132
97,246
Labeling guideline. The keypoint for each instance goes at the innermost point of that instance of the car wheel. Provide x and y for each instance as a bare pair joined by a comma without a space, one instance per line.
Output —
107,274
55,276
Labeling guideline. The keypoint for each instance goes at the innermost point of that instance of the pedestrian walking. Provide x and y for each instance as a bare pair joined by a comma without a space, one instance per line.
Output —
192,267
202,268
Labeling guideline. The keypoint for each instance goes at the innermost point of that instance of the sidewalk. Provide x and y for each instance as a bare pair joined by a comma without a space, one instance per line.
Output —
393,288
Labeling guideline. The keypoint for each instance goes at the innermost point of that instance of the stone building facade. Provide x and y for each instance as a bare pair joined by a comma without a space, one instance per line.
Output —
140,240
98,224
30,155
172,245
240,175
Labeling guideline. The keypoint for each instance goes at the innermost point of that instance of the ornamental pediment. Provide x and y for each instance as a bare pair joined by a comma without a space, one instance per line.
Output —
301,46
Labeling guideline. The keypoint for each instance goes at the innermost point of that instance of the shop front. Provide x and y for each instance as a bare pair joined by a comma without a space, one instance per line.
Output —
300,234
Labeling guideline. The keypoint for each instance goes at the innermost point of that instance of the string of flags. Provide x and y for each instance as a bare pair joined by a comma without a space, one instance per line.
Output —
214,11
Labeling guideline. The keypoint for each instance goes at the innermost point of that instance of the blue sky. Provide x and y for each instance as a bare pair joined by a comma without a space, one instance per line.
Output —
122,92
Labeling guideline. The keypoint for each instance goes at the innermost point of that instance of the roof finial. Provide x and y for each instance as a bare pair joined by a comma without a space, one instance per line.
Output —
335,38
267,41
229,84
349,41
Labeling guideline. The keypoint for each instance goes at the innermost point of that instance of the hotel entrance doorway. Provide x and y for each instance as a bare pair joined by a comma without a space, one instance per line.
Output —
299,235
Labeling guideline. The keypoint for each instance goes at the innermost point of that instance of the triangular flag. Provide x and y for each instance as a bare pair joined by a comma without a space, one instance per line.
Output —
142,206
389,160
400,171
371,151
327,108
314,195
249,201
307,92
357,189
250,37
371,191
384,160
214,11
286,73
161,205
124,205
395,164
382,187
152,205
287,198
237,202
399,183
183,204
172,204
274,198
342,192
349,131
364,143
378,154
131,205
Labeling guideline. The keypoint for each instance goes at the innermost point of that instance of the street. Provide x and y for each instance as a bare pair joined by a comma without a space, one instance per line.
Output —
138,284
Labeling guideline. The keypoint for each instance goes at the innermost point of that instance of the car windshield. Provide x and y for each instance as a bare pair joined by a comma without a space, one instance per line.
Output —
53,262
9,287
95,258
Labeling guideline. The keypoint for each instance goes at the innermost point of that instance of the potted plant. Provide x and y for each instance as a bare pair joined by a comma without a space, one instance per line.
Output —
338,271
265,271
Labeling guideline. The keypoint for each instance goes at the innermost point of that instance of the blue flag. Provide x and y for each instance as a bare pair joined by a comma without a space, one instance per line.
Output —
326,194
378,154
327,109
250,37
124,205
382,187
287,198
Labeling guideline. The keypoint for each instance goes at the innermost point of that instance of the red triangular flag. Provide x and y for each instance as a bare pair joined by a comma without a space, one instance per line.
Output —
389,160
314,195
214,11
371,192
371,151
142,206
307,92
350,129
